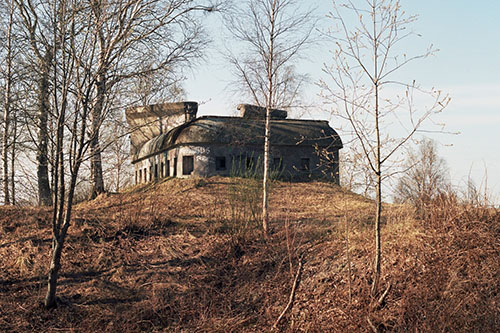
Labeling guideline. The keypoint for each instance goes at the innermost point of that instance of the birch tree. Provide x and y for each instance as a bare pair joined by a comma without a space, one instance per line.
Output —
367,60
272,35
8,78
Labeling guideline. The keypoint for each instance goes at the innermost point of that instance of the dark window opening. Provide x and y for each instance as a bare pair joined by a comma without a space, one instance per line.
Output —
167,169
187,165
150,173
162,170
250,162
277,163
220,163
304,164
175,167
156,171
136,176
145,175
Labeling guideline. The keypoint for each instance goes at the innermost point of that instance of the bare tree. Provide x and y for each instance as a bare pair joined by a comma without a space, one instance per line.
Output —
13,156
425,176
273,34
134,38
12,73
82,93
70,135
36,25
8,77
117,156
366,60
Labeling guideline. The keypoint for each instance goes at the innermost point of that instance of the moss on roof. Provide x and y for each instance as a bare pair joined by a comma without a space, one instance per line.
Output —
241,131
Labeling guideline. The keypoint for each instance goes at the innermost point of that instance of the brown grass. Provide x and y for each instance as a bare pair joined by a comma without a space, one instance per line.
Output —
171,257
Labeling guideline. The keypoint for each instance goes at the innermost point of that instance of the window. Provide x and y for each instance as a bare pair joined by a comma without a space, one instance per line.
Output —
277,164
136,176
162,170
167,169
175,167
220,163
304,164
250,162
156,171
150,173
145,175
187,165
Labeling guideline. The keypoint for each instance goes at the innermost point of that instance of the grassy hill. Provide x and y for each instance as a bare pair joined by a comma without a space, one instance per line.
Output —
188,255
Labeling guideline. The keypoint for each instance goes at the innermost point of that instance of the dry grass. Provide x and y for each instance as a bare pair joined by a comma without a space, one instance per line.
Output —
174,256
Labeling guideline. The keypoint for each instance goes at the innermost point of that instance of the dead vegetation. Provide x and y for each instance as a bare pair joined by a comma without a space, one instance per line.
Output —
182,255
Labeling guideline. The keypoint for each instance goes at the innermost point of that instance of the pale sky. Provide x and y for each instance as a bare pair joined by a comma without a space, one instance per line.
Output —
467,67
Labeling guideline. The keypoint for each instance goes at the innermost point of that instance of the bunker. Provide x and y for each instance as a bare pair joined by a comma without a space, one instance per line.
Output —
168,140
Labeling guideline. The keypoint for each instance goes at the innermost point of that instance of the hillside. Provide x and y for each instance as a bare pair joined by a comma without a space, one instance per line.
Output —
187,255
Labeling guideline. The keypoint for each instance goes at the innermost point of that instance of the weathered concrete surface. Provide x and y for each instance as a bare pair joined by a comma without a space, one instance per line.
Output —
237,131
250,111
147,122
184,146
286,162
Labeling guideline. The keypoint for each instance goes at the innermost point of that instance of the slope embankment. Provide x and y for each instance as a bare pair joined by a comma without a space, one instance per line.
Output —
188,255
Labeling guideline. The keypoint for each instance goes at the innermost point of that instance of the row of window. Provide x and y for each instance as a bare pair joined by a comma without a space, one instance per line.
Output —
163,170
250,162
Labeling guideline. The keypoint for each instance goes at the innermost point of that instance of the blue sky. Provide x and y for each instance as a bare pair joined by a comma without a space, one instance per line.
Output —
467,67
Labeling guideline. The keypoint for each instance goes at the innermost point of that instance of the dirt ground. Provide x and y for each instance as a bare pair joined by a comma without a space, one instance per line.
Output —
189,256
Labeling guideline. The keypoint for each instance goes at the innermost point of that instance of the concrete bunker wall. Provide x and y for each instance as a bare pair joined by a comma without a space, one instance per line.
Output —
147,122
288,162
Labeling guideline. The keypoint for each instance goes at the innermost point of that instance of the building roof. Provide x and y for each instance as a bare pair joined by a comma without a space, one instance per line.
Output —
242,131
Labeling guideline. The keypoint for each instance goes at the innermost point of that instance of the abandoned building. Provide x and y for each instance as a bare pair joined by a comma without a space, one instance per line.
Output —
168,140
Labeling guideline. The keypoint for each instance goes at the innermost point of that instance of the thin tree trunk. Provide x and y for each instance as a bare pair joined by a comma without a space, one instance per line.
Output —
44,192
378,162
97,181
5,147
96,167
12,162
347,249
55,265
378,252
96,158
60,220
7,109
378,198
265,181
58,245
267,135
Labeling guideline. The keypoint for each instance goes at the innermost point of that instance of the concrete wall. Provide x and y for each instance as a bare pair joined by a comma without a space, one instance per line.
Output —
298,163
147,122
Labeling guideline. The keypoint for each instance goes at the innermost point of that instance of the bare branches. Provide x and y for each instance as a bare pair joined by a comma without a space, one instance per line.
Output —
425,177
291,298
81,55
263,30
272,33
135,38
366,58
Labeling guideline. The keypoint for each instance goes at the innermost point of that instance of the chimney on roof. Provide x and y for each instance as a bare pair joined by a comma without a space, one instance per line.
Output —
250,111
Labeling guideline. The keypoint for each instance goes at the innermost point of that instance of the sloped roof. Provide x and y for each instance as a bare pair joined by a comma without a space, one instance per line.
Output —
241,131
